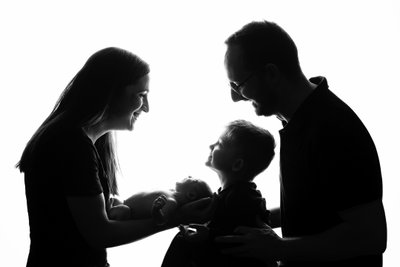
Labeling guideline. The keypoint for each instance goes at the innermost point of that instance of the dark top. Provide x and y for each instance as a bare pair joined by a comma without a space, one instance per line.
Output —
238,205
329,163
65,164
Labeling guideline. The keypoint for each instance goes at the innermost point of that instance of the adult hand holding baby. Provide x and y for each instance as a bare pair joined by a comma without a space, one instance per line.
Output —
198,211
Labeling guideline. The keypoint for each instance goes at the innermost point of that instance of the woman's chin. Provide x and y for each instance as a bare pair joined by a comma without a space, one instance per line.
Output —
124,124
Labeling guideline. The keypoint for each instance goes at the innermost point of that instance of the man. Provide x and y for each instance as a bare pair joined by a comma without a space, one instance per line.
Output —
331,211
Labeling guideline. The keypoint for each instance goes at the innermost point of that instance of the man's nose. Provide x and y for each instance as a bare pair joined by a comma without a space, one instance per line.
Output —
236,97
145,105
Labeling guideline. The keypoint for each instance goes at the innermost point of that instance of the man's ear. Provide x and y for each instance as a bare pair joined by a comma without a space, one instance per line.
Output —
237,165
272,73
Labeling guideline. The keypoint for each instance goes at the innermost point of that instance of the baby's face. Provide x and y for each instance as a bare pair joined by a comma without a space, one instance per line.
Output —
186,185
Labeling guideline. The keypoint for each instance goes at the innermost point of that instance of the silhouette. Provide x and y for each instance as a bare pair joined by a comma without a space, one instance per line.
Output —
160,205
331,211
70,162
240,154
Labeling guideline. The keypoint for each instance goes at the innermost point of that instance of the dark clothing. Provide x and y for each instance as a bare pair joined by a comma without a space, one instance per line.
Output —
328,164
237,205
65,163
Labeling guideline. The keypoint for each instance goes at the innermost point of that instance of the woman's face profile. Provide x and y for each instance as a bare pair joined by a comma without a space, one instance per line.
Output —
128,105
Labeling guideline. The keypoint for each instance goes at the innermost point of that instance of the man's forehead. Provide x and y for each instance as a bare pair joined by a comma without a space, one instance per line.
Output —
234,61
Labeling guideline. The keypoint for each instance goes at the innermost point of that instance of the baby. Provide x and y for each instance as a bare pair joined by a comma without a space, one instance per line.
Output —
159,205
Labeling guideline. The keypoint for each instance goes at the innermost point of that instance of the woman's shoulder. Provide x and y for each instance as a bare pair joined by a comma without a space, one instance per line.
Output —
61,141
55,142
66,136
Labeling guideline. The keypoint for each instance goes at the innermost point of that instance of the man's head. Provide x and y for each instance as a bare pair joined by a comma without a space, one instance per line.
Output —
258,57
243,149
193,189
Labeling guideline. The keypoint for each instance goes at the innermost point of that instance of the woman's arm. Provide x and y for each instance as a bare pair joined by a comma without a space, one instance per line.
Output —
91,218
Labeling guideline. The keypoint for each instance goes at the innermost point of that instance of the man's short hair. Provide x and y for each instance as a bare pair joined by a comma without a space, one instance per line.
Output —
265,42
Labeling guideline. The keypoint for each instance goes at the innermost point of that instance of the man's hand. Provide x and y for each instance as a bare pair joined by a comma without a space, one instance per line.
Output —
260,243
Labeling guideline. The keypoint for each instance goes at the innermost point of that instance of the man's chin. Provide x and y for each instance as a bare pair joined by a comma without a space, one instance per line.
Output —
261,111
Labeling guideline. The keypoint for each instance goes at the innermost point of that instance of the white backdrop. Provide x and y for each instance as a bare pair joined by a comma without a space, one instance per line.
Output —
44,43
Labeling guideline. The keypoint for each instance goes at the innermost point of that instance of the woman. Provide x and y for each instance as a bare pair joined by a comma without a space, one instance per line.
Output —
70,164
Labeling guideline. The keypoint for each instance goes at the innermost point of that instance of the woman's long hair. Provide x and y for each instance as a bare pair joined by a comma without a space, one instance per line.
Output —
86,101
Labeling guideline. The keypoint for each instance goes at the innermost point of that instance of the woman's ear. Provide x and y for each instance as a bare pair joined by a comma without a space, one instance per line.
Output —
237,165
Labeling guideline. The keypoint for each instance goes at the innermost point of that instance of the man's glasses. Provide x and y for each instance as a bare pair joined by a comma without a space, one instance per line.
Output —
235,88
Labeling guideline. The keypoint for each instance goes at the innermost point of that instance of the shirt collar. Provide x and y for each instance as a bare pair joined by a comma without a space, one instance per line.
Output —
308,105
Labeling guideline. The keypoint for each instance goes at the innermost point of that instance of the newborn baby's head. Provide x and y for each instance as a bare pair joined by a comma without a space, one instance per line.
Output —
192,189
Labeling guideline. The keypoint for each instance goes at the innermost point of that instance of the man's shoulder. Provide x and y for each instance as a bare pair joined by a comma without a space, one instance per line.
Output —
333,114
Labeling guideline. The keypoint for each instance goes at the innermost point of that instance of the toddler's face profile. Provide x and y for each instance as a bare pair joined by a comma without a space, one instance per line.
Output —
222,155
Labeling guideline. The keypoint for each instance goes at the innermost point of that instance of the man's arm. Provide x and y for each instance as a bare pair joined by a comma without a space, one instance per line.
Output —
362,232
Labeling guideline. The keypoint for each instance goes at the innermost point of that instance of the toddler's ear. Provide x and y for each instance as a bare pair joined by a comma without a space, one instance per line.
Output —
191,195
237,165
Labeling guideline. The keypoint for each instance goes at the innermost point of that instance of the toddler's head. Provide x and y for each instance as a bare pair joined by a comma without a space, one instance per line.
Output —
243,147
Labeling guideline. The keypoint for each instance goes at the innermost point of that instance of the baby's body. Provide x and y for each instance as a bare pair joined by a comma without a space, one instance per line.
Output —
159,205
141,204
